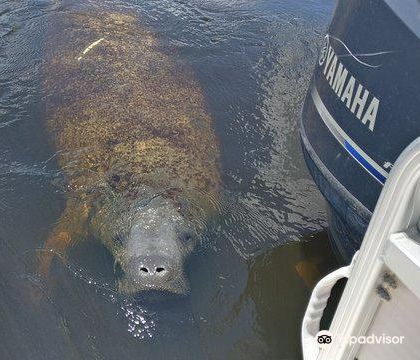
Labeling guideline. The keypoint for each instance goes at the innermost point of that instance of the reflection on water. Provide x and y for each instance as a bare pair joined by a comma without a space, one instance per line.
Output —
279,294
251,278
258,316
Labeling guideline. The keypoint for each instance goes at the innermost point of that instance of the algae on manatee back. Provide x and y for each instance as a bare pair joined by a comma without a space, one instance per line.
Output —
128,122
129,104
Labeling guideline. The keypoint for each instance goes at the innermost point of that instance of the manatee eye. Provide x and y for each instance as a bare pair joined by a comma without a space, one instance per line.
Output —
119,238
182,205
188,237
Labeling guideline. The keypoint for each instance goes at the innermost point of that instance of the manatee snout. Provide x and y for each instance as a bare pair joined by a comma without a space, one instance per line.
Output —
155,250
157,266
155,272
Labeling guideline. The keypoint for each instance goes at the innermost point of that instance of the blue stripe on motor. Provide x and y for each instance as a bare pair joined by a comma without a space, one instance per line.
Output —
364,162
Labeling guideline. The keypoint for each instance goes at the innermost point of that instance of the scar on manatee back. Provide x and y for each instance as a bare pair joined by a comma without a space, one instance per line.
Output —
128,121
90,47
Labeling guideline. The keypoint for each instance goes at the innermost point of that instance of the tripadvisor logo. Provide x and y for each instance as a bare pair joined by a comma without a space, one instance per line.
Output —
376,339
324,338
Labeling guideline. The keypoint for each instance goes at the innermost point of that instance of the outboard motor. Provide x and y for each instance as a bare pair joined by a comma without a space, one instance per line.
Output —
362,109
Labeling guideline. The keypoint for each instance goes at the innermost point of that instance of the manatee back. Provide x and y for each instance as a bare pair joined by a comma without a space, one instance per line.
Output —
122,111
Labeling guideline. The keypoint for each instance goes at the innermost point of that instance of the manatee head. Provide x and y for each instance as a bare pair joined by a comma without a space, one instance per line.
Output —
150,243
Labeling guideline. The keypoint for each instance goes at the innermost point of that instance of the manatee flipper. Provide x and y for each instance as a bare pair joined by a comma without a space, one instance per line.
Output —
309,272
71,227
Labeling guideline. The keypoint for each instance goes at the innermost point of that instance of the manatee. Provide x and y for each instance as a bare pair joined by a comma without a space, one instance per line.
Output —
135,144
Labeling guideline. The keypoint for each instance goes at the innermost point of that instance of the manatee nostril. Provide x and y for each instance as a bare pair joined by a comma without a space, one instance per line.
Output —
150,267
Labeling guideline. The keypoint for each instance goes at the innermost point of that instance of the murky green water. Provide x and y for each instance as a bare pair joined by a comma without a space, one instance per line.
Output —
251,278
